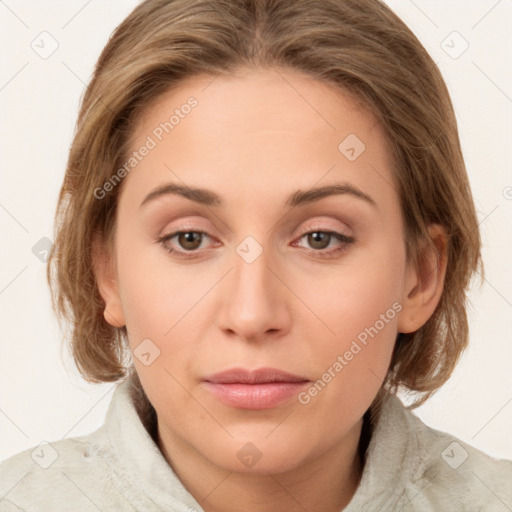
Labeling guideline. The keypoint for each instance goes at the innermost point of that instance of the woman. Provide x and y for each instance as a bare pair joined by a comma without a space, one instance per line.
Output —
265,229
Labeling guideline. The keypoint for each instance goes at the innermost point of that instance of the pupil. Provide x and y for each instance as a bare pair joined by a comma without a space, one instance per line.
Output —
317,238
189,238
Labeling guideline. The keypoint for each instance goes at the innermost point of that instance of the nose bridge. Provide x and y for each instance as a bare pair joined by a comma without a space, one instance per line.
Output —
253,303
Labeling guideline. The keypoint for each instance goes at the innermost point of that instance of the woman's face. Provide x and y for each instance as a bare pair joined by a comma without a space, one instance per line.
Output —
255,280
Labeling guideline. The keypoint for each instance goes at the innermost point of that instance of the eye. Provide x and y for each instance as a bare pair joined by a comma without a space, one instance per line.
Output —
320,240
188,240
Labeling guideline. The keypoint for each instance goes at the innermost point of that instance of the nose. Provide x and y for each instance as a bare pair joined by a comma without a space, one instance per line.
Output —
254,299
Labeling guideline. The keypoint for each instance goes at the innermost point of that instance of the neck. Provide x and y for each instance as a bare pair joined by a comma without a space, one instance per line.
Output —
325,484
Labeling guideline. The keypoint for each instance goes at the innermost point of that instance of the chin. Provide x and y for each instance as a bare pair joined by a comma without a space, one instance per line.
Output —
259,456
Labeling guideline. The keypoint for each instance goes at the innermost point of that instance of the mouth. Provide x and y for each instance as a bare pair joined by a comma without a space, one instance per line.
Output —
262,388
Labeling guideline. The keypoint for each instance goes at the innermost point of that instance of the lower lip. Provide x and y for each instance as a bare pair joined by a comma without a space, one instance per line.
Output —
255,396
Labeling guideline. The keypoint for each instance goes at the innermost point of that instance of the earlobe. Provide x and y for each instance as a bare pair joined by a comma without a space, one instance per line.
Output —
106,280
424,284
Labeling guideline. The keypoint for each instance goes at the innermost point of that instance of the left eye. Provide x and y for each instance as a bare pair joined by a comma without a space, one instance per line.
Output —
317,239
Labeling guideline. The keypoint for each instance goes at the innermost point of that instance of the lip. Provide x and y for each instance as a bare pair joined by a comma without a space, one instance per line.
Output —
261,388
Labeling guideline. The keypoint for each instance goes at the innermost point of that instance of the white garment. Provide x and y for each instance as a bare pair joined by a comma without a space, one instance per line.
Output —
409,467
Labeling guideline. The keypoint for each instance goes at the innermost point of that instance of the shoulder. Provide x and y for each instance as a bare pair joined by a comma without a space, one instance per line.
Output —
51,476
451,474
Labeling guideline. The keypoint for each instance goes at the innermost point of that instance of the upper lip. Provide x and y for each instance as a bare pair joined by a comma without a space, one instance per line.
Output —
256,376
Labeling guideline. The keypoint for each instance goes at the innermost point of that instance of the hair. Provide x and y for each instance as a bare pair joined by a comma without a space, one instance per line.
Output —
359,46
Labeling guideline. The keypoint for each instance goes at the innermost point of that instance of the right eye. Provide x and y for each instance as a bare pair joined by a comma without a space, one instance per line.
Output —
186,239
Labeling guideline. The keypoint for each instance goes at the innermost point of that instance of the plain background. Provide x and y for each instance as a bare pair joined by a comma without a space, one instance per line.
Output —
42,396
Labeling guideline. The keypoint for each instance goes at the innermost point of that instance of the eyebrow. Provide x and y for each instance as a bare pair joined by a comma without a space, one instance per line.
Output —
297,198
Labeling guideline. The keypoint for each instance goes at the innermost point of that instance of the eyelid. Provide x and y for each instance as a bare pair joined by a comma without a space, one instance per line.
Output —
184,225
317,225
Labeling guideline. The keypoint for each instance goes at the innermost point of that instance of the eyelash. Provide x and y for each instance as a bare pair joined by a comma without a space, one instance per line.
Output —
346,240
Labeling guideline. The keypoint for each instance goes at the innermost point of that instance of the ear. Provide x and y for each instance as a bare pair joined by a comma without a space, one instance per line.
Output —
424,284
106,279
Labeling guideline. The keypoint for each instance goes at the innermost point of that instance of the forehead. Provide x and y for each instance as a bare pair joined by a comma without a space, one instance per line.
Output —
275,127
252,100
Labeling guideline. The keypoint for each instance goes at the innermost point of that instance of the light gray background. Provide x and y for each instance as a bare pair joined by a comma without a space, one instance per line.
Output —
42,396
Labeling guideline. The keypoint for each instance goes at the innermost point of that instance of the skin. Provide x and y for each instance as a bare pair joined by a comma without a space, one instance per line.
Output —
254,138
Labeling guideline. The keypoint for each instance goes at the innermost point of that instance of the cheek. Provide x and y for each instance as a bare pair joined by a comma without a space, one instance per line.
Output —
159,303
156,292
358,304
164,301
352,296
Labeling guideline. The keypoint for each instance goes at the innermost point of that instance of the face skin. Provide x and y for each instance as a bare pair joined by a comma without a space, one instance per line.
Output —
254,139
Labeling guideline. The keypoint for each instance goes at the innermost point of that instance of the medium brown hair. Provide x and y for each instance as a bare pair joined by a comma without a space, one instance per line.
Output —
359,46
